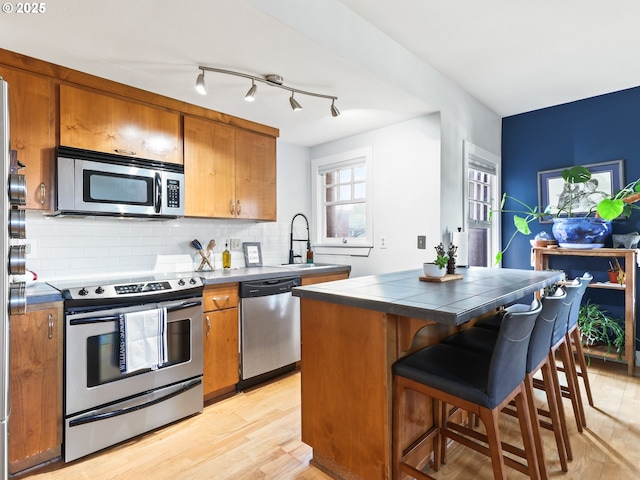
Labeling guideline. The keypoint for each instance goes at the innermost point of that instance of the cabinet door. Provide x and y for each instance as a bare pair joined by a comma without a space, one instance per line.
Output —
35,423
209,168
102,123
255,176
220,349
31,132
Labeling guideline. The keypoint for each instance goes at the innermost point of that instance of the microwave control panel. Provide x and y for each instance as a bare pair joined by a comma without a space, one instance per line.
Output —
173,193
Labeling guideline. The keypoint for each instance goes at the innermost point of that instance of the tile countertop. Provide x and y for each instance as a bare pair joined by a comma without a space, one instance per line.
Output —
453,302
41,292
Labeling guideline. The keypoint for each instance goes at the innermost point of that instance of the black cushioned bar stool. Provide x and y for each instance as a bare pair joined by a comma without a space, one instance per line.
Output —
480,384
482,340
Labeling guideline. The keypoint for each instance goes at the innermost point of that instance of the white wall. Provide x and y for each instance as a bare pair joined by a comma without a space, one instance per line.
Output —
68,247
406,193
462,116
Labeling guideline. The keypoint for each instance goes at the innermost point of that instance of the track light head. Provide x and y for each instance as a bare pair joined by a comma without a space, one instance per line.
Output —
200,86
251,94
294,103
334,110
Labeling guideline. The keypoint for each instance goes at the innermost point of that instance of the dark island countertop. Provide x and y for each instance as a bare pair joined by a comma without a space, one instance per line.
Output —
452,303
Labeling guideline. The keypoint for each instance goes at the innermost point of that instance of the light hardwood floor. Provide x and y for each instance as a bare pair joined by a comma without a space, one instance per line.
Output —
256,435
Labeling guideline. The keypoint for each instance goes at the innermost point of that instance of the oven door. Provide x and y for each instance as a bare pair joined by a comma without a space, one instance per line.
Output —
92,374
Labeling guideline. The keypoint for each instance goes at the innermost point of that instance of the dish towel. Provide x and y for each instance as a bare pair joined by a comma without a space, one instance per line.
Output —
143,340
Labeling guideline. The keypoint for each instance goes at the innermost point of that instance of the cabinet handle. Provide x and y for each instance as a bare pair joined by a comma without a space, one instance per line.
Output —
222,300
233,206
122,151
208,325
43,193
239,207
50,335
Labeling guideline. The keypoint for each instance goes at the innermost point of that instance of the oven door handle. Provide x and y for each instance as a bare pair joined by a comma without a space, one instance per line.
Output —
182,306
115,318
123,411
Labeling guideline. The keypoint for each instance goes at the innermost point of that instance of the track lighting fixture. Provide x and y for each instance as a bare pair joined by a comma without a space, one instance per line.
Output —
200,86
271,80
294,103
251,94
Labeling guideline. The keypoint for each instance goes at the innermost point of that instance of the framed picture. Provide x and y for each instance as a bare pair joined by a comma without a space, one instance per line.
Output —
606,179
252,254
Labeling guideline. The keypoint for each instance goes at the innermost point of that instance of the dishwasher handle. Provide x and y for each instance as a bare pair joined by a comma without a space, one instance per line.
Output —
272,286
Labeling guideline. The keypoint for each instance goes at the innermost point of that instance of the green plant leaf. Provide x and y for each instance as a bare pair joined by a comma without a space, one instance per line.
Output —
521,224
577,174
610,209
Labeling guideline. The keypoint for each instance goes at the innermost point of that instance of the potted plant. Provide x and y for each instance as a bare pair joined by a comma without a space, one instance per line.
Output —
588,230
598,327
437,268
616,272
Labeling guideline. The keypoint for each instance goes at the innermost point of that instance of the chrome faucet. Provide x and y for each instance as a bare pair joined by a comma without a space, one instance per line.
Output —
291,239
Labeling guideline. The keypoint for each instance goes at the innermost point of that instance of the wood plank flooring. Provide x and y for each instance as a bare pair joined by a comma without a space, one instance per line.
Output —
256,435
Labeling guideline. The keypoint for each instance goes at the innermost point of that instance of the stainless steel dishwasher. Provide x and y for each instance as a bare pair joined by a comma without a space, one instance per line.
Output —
269,329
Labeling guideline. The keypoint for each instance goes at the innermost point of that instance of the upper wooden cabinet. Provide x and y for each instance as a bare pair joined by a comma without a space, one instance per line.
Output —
31,132
102,123
229,172
255,176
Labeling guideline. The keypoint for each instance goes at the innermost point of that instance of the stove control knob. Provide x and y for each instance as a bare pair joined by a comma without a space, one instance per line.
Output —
192,281
181,282
83,291
99,290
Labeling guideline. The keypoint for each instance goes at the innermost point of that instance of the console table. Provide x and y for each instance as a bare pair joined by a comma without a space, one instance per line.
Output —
541,262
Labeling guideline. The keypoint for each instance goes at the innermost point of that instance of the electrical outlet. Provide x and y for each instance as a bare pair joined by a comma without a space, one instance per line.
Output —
422,242
235,243
383,242
27,249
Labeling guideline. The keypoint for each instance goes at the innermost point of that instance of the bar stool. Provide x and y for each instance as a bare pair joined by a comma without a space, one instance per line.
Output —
482,340
479,384
574,338
561,347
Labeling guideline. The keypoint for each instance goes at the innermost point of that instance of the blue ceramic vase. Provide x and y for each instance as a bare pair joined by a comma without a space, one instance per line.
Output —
581,232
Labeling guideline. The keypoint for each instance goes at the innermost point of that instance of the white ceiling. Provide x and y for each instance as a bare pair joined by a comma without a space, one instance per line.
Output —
513,56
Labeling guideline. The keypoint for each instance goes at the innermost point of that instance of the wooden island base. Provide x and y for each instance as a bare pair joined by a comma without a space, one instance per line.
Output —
347,353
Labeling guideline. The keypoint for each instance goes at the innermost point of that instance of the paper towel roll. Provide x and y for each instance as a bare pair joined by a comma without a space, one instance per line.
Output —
461,240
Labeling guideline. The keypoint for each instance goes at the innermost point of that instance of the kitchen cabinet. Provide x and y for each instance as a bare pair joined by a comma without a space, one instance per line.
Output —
103,123
627,291
325,277
221,347
32,132
229,172
35,383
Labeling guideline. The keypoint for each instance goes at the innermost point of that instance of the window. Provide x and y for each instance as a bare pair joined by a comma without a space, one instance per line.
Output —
342,208
482,179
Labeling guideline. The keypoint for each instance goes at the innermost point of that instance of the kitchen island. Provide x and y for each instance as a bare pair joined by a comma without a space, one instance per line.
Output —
354,330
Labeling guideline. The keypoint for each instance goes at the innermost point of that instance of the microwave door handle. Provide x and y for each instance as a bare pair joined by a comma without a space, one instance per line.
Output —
158,192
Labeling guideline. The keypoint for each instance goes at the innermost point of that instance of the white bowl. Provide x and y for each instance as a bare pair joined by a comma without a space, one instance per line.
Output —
433,270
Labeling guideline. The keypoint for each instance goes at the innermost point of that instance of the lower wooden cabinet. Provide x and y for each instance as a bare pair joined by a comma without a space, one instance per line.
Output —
221,352
35,383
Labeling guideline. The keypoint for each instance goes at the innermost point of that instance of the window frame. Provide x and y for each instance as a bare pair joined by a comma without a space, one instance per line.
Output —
341,246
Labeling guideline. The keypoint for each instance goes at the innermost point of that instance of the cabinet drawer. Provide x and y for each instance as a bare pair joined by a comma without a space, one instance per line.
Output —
219,297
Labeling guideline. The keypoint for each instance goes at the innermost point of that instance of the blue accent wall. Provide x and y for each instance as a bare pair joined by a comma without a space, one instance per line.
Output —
592,130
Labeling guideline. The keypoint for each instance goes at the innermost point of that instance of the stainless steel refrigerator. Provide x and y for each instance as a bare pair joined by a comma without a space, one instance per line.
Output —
13,294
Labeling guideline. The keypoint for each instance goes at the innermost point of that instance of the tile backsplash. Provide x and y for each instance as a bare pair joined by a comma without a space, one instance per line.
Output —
66,247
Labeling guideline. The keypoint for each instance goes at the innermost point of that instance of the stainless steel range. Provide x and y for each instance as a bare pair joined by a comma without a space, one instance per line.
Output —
133,358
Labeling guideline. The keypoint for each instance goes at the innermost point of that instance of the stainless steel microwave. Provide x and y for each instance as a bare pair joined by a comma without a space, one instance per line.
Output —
94,183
